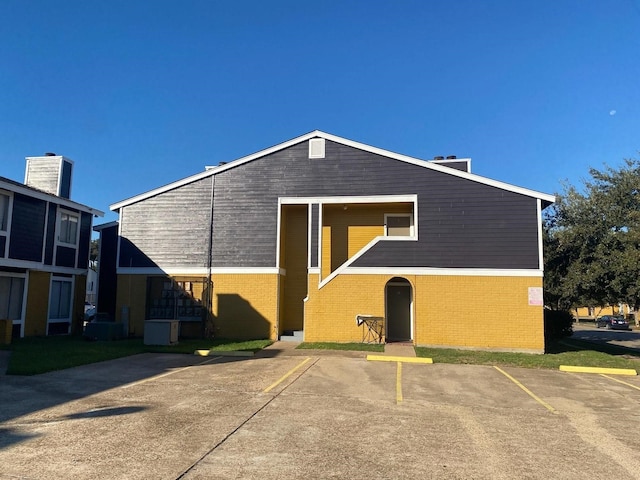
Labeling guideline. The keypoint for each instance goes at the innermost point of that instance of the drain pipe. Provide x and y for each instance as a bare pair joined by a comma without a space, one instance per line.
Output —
209,303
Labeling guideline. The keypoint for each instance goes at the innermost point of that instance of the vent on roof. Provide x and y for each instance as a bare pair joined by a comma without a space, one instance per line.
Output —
316,148
438,158
451,157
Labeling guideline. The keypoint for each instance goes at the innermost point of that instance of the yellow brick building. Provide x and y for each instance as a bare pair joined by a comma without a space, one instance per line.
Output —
327,239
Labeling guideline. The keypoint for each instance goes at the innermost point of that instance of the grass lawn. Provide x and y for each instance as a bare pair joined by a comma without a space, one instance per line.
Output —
34,355
567,352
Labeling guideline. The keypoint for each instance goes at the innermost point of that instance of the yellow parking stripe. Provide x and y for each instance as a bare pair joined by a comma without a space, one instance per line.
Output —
610,371
385,358
531,394
620,381
399,383
285,376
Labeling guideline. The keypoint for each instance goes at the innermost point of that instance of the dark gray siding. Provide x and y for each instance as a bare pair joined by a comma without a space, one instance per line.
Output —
169,229
50,234
489,228
27,228
85,239
107,278
462,223
65,257
65,185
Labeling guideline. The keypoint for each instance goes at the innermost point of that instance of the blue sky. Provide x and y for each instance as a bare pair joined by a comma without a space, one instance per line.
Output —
143,93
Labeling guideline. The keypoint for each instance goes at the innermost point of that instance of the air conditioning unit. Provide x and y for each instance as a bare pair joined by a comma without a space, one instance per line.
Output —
161,332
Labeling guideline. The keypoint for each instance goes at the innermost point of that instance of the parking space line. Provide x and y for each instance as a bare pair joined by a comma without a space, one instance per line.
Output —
529,392
399,383
620,381
168,373
285,376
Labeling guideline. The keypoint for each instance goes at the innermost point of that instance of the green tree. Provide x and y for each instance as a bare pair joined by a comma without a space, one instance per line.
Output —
93,253
592,240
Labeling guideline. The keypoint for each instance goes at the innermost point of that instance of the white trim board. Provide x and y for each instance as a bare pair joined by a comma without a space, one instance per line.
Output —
432,271
428,271
99,228
27,265
48,197
204,271
413,198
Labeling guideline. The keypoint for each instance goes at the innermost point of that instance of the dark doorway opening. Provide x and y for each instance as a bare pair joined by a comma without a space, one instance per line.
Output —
398,303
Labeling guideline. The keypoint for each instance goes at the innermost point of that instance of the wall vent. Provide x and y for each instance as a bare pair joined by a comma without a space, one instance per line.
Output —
316,148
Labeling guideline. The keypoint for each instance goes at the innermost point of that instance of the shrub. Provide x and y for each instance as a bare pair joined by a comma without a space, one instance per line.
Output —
557,324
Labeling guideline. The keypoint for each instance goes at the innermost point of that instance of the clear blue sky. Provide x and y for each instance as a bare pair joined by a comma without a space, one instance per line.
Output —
143,93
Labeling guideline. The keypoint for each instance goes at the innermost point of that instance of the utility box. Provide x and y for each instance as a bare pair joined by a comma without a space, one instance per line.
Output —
160,332
103,331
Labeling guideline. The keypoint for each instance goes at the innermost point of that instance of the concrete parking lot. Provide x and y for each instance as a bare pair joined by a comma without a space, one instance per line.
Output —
621,338
306,415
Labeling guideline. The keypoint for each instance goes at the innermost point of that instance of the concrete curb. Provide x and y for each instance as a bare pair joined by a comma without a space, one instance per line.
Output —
609,371
222,353
389,358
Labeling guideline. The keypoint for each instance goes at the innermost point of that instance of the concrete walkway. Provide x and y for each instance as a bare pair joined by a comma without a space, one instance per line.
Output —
399,350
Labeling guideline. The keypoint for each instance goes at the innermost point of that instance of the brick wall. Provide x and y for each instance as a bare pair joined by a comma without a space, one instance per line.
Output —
454,311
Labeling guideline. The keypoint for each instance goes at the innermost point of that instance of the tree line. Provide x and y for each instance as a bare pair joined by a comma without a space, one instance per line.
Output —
592,241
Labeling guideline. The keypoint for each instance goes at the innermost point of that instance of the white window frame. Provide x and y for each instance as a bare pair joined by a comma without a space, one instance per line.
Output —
76,215
405,215
20,321
7,232
69,319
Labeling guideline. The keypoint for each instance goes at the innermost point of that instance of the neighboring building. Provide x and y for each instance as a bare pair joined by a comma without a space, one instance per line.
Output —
307,235
91,293
107,278
44,249
591,313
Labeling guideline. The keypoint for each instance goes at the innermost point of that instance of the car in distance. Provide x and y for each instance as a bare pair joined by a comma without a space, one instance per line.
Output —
613,322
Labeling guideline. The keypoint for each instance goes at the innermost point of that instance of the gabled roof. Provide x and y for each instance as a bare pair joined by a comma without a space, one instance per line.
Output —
102,226
209,171
18,187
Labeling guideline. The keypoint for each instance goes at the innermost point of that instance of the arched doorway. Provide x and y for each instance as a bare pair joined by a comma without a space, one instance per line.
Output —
398,297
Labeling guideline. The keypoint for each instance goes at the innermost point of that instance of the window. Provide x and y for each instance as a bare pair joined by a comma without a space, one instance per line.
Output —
60,304
4,212
11,295
398,225
68,228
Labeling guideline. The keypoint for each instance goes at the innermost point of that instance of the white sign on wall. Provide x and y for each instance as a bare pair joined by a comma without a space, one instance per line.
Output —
535,296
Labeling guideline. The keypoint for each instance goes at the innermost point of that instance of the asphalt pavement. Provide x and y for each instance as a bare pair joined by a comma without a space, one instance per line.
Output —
295,414
622,338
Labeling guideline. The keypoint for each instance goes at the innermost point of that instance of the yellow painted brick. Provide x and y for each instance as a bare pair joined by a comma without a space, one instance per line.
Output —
456,311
